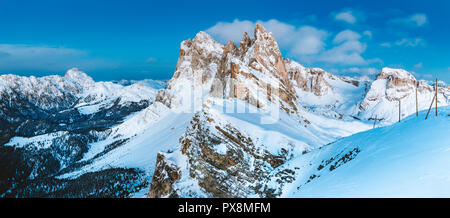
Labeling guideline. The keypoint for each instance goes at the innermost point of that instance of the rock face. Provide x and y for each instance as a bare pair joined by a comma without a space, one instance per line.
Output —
165,175
394,85
254,72
221,160
309,79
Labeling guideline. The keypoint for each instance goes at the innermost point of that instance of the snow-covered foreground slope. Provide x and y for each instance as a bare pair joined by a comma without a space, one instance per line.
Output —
407,159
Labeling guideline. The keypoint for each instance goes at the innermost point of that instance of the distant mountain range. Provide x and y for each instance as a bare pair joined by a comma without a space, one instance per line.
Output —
234,121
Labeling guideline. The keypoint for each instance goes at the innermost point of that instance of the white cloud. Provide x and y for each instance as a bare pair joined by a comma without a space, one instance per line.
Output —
302,40
308,40
348,51
150,60
406,42
415,20
368,34
346,35
362,71
418,65
20,57
306,43
386,44
419,19
233,31
346,16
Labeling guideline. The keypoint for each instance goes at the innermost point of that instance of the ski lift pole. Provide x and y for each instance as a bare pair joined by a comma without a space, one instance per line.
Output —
375,121
431,105
417,102
436,95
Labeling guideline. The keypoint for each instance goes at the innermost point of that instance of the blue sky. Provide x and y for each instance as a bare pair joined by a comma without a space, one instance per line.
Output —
134,39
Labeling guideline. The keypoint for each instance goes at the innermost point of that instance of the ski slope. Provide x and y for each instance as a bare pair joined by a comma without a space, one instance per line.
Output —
407,159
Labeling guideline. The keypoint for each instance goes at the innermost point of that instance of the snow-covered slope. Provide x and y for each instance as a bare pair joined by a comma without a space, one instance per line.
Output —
394,85
407,159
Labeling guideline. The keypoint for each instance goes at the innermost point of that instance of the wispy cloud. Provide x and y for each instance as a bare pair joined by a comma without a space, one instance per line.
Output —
362,71
346,16
415,20
22,57
405,42
418,65
346,35
386,44
368,33
150,60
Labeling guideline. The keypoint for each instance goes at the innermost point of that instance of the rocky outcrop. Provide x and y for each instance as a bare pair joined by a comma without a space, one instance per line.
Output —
309,79
253,72
197,65
223,162
392,86
166,174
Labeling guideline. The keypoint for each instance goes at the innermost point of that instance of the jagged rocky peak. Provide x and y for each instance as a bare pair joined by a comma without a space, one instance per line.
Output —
308,79
397,77
196,54
241,72
256,66
397,73
198,63
268,53
245,44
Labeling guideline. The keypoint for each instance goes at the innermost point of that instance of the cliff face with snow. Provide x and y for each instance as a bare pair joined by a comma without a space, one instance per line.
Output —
396,86
234,121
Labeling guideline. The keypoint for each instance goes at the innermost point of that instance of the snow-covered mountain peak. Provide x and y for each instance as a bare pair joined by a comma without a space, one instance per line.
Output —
48,92
268,53
206,66
204,42
203,37
80,77
397,86
260,33
396,73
